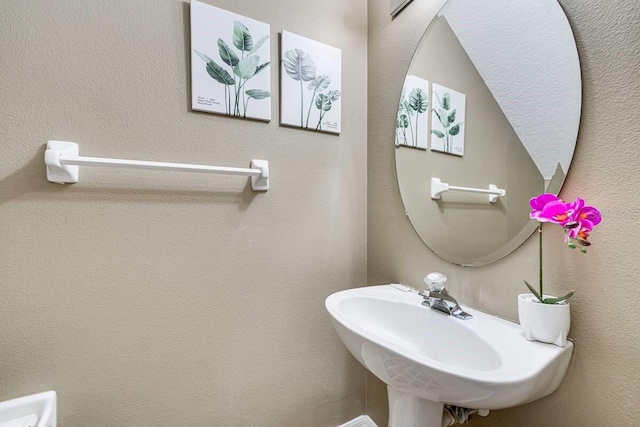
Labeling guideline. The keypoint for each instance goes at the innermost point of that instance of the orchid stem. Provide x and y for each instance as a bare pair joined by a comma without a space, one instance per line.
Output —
540,253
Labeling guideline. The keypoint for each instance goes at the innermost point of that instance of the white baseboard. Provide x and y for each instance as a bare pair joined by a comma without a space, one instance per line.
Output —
361,421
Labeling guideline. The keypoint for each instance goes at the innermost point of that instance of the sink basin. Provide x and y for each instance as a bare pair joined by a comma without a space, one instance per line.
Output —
427,358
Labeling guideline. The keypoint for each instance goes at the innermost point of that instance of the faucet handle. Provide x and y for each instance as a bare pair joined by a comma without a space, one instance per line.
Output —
435,281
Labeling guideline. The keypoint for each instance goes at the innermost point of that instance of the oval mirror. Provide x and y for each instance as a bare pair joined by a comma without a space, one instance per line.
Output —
488,119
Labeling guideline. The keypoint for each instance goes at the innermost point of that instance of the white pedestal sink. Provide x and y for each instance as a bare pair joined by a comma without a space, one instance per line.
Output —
427,358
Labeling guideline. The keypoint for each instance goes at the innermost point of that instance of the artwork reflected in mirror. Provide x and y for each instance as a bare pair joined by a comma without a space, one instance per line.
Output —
499,74
447,121
411,123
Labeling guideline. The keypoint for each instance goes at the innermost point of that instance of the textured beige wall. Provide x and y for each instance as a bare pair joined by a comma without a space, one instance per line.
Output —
149,298
603,387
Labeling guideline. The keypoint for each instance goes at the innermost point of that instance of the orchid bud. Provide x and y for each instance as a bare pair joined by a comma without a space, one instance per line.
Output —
584,242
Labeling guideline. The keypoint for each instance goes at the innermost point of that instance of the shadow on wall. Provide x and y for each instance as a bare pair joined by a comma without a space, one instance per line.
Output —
30,183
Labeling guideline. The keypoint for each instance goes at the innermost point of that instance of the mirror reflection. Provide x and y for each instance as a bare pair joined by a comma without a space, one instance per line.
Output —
491,101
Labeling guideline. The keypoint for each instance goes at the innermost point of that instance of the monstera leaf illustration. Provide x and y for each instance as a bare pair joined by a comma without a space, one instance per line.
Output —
413,102
318,84
334,95
324,102
418,100
418,103
300,67
402,123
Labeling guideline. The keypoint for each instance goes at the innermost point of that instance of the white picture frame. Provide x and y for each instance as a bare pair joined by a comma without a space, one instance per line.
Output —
310,84
412,128
448,114
230,63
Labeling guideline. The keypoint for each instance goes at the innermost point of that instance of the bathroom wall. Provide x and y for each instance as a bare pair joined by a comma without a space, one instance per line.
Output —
147,298
603,385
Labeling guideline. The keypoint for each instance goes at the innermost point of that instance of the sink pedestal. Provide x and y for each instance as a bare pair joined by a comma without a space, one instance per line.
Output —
406,410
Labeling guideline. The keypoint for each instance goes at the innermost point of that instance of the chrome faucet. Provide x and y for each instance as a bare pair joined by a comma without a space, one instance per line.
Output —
438,298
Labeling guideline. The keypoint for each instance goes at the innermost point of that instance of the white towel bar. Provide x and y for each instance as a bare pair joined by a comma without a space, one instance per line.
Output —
63,164
438,187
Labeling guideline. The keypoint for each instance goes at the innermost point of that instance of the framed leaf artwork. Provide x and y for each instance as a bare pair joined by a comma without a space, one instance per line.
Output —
230,63
310,84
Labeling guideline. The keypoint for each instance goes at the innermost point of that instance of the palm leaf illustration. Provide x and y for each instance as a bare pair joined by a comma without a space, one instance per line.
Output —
226,54
202,56
446,101
246,68
455,130
261,67
242,37
452,116
255,94
219,74
258,45
258,93
447,120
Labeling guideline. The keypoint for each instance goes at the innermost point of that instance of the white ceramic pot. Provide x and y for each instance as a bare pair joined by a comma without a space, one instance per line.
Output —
548,323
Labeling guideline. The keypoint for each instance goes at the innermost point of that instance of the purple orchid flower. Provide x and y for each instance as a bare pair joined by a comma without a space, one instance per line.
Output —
549,208
576,219
583,220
